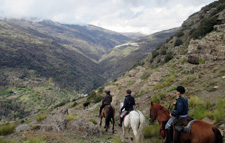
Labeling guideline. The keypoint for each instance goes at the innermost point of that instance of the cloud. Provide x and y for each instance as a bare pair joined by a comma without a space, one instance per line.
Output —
146,16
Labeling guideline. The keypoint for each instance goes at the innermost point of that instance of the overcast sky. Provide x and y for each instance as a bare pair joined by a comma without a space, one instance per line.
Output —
145,16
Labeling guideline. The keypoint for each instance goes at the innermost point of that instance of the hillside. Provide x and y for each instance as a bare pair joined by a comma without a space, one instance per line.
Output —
192,57
125,56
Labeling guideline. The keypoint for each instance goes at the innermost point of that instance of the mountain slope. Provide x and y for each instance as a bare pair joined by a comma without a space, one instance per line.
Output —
124,56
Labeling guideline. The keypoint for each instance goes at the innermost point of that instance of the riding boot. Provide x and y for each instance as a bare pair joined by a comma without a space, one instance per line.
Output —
100,111
169,138
121,121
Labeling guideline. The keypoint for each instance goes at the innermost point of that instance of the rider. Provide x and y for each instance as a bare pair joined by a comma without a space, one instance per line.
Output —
128,104
180,111
106,101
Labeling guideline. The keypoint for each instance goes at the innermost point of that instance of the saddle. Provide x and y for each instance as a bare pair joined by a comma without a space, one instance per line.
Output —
184,124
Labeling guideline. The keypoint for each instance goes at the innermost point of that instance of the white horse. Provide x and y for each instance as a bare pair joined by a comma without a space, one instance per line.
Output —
134,120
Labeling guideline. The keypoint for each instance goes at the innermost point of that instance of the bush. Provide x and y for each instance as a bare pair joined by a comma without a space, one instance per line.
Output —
2,140
93,121
117,140
163,51
154,54
71,117
205,27
144,76
200,112
7,129
36,140
168,56
131,82
219,113
178,42
180,33
40,117
151,131
194,101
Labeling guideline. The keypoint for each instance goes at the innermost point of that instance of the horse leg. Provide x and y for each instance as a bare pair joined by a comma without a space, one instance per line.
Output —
100,122
113,122
124,132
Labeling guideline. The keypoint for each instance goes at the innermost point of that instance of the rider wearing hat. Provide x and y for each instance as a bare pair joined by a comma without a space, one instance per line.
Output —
128,104
180,111
106,101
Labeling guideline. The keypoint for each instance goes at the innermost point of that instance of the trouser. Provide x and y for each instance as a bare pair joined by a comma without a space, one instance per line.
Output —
170,122
123,113
101,107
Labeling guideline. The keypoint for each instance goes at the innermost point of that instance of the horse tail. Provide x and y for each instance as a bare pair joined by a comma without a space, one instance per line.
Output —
109,116
140,131
218,136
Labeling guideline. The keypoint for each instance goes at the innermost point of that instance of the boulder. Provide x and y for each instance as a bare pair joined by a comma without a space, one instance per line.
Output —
23,127
55,121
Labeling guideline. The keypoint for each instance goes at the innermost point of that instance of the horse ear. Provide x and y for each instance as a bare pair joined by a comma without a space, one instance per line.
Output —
160,107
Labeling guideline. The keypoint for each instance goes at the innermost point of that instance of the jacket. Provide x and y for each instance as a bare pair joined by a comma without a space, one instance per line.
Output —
128,103
107,100
181,107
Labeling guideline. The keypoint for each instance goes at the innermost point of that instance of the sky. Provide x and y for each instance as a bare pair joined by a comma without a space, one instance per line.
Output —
144,16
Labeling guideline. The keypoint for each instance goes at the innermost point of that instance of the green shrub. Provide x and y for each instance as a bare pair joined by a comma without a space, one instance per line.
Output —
178,42
151,131
194,101
139,93
93,97
93,121
163,51
183,60
168,56
131,83
205,27
219,113
200,112
154,54
2,140
41,117
180,33
172,88
117,140
201,61
144,76
156,99
7,129
71,117
189,79
36,140
74,104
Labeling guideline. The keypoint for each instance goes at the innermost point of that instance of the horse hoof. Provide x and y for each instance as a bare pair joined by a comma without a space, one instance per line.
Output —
131,138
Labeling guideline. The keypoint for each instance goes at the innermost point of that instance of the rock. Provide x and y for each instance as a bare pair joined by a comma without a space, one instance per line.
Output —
55,121
23,127
192,59
82,127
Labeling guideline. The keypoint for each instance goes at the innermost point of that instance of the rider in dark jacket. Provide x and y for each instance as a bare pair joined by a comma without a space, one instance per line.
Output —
128,104
180,111
106,101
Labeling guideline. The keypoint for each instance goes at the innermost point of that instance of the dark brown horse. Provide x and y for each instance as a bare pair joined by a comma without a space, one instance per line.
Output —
108,113
201,132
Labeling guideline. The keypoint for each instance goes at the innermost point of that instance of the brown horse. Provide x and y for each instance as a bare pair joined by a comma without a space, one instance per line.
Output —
201,132
108,113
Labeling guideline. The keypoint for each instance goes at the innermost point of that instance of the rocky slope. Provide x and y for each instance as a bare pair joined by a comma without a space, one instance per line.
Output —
189,58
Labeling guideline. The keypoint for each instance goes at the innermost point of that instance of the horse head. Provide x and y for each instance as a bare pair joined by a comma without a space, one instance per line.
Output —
156,110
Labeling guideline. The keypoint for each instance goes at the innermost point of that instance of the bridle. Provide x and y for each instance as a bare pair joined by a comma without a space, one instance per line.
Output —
158,114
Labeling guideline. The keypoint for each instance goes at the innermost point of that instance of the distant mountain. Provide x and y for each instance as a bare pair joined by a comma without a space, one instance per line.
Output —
67,53
134,35
124,56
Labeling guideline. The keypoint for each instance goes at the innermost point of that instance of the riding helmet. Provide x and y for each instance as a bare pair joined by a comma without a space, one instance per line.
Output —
181,89
107,92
